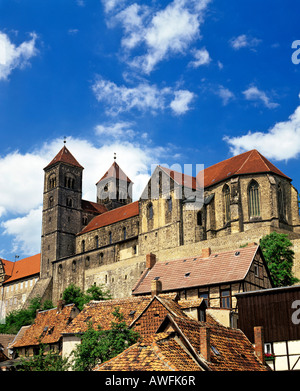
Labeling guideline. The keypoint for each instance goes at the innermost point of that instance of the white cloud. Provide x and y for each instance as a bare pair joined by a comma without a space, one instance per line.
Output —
281,142
12,56
244,41
143,97
22,176
202,57
118,130
254,94
163,32
180,104
225,94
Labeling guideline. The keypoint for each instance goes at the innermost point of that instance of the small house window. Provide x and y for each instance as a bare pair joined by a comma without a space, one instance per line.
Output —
256,270
204,296
225,298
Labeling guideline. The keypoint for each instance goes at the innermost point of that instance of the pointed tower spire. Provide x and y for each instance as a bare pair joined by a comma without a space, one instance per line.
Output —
64,156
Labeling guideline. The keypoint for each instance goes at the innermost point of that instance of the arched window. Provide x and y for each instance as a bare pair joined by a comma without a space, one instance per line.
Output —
52,182
281,203
226,202
87,261
51,202
69,182
199,218
170,205
74,266
150,211
69,202
253,199
100,258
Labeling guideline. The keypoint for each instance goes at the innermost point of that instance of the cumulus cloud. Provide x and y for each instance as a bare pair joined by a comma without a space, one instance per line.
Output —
143,97
244,41
118,130
225,94
180,104
12,56
22,176
202,57
160,32
254,94
281,142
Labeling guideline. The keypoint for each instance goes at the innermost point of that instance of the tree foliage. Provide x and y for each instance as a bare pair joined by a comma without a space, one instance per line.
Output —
44,361
100,345
73,294
279,256
23,317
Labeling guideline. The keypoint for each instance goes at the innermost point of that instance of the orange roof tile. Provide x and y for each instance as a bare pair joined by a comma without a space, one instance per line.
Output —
24,268
64,156
156,353
47,326
92,207
115,172
250,162
112,216
197,271
8,267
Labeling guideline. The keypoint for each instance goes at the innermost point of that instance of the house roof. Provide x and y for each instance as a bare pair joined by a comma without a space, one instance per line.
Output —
7,266
100,313
230,348
23,268
250,162
92,207
47,326
115,171
112,216
196,271
155,353
64,156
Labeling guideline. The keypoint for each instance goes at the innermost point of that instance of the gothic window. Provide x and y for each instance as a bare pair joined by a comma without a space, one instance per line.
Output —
253,199
51,202
199,218
226,202
150,211
281,204
170,206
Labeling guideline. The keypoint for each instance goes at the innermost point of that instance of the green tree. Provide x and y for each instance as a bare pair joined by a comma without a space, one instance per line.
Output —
23,317
101,345
73,294
279,256
44,361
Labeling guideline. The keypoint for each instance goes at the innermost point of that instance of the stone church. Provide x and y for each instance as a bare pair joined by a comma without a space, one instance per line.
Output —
223,207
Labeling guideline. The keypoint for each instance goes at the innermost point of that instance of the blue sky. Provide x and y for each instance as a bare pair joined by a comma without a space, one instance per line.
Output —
182,81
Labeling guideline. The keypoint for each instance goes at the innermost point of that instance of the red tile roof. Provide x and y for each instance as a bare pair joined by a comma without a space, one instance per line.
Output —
113,216
92,207
115,172
64,156
250,162
197,271
8,267
48,326
24,268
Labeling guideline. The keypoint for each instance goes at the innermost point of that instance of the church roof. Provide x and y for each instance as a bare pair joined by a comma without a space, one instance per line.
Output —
250,162
23,268
115,171
196,271
113,216
64,156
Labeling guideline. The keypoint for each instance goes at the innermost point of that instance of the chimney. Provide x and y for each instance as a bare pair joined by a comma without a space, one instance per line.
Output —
206,252
150,260
259,343
60,305
205,343
156,287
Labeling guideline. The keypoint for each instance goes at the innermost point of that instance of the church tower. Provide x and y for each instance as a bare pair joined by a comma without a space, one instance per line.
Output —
114,189
61,209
